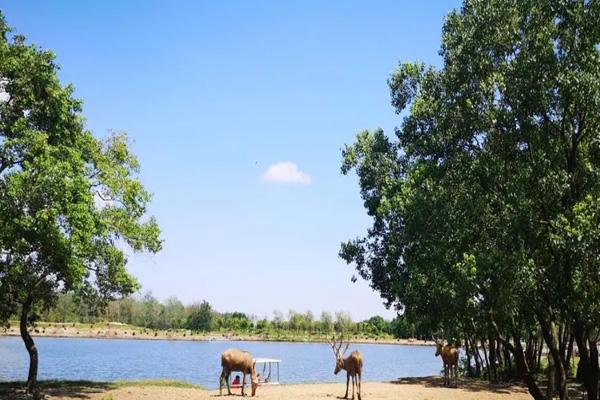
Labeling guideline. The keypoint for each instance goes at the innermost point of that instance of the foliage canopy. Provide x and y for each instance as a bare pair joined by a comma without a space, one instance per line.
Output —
70,204
485,208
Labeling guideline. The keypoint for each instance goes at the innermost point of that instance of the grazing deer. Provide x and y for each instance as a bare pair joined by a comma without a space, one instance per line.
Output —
237,360
352,364
449,355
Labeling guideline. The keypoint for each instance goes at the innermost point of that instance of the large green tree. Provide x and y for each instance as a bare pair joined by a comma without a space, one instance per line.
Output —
201,317
70,204
485,208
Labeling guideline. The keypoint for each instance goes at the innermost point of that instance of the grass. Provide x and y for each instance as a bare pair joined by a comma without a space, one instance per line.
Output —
158,382
39,325
66,384
544,366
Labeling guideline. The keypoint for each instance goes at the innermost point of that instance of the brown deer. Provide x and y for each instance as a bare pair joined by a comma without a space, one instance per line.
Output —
352,365
237,360
449,355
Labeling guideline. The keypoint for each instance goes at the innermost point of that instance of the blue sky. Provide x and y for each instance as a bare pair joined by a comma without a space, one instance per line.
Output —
212,94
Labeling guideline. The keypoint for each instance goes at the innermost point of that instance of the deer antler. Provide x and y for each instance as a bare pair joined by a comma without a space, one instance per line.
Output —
333,346
345,348
337,346
437,340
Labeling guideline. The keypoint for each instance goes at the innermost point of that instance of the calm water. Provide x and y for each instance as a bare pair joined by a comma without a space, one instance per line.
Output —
199,362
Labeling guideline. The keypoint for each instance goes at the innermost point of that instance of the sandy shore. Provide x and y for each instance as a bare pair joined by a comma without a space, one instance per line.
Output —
413,389
113,331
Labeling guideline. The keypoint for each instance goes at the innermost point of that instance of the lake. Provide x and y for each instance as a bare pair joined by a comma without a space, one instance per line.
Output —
199,362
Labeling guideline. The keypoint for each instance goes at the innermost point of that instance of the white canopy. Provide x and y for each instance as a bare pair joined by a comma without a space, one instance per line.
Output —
261,360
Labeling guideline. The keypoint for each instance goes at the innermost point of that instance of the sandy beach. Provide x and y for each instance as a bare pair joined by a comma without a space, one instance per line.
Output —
412,388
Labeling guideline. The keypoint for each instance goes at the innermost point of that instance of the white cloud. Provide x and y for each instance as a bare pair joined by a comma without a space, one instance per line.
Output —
286,172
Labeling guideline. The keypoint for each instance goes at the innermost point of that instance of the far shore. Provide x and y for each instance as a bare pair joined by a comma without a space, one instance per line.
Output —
116,331
406,388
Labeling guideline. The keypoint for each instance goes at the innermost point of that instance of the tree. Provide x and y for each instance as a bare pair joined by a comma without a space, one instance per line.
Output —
309,318
174,313
343,322
150,312
64,310
326,321
128,311
485,211
235,321
263,325
378,324
201,317
278,319
296,321
68,201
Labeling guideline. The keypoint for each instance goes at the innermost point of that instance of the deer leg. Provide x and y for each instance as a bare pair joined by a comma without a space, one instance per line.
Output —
445,374
221,382
455,375
347,381
243,383
227,381
359,381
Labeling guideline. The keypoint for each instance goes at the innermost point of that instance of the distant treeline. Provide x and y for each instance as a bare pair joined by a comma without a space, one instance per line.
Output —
146,311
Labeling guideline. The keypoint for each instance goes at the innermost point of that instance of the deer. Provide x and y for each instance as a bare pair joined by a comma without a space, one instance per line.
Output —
352,365
449,355
237,360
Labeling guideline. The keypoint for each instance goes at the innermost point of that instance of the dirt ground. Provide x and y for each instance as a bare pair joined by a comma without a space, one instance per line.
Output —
413,389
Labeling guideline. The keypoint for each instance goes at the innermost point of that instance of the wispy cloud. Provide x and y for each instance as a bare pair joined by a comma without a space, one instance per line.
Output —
286,172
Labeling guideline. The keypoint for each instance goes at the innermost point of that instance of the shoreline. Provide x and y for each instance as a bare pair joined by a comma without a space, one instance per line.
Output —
118,332
406,388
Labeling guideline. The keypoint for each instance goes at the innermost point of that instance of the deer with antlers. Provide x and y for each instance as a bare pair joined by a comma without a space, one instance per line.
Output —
351,364
449,355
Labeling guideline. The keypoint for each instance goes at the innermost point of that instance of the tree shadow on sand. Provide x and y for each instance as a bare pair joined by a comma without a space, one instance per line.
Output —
472,385
66,389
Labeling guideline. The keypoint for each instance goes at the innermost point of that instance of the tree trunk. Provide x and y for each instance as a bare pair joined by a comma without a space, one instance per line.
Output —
540,350
478,360
551,376
468,353
493,375
485,355
521,361
594,368
31,349
508,362
569,368
523,368
550,334
585,370
525,373
531,351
